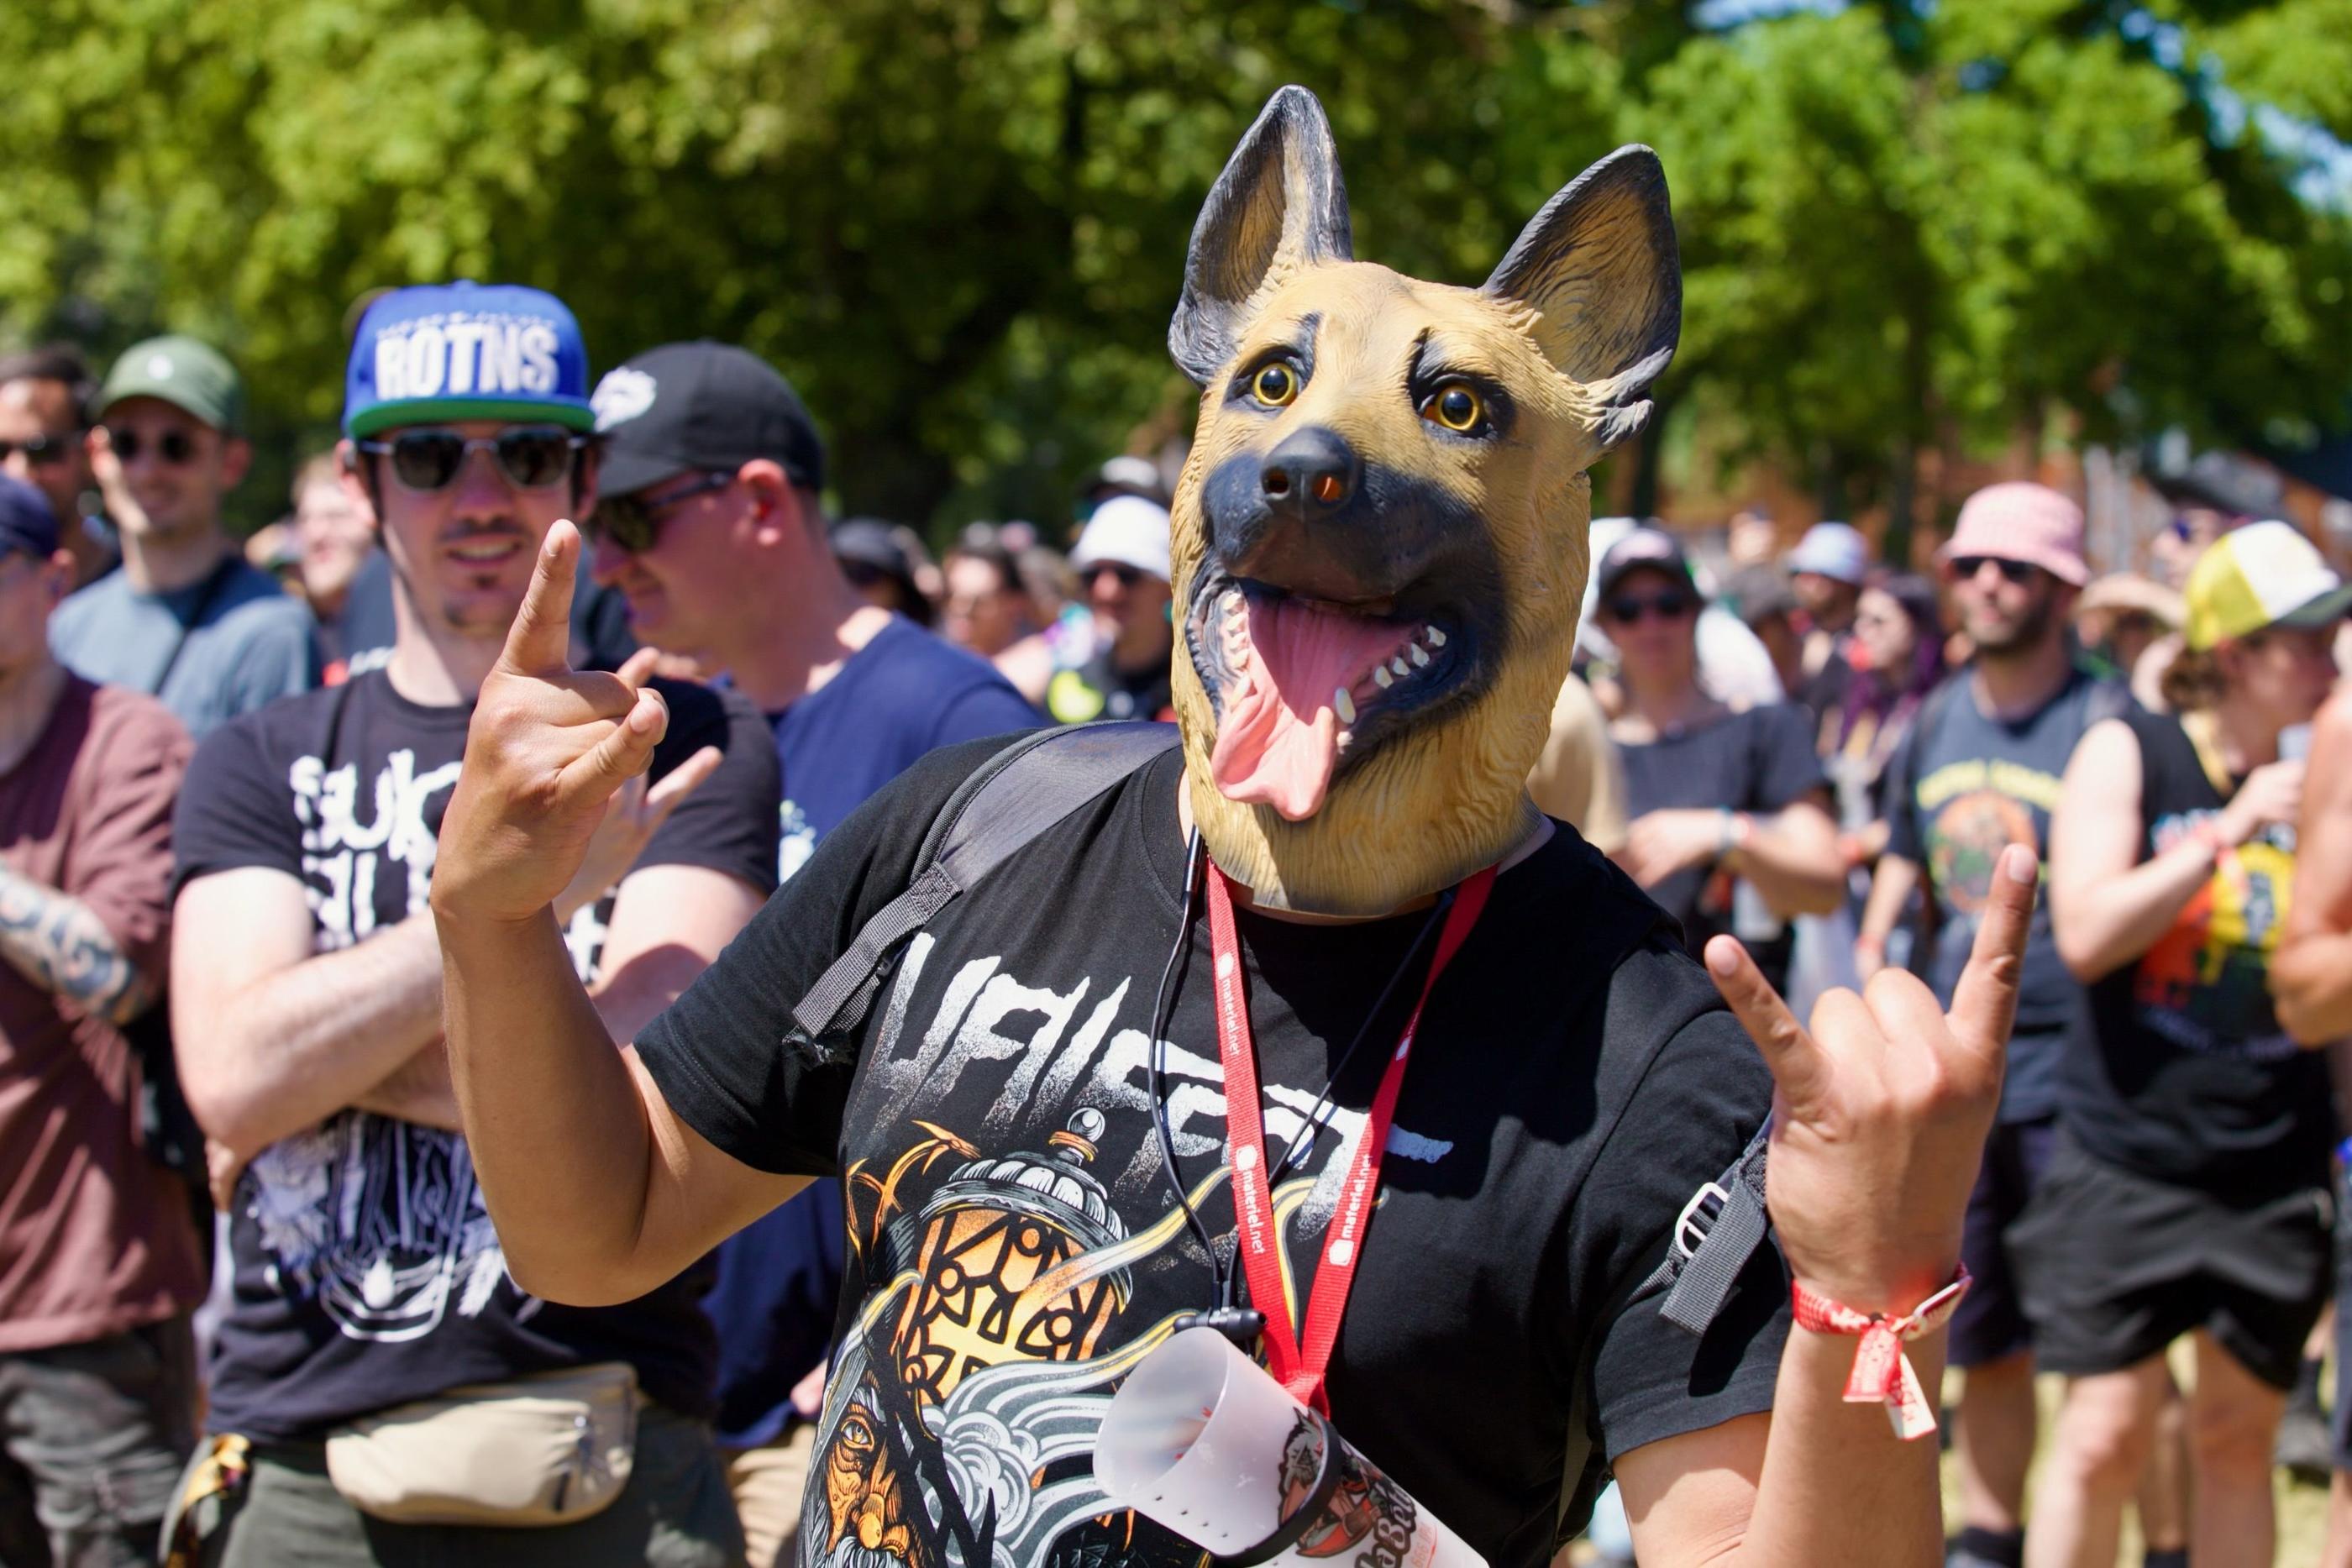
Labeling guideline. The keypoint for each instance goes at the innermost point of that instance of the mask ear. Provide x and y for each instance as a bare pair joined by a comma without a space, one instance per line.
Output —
1599,267
1278,206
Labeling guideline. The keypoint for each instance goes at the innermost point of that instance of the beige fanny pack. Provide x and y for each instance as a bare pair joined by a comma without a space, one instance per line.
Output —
546,1449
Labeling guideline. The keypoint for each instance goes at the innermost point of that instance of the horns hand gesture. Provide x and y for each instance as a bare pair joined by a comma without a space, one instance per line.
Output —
551,806
1880,1110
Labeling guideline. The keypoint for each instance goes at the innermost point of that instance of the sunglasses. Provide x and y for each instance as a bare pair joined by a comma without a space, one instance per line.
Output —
1128,576
42,449
532,458
1631,609
2018,573
634,521
173,447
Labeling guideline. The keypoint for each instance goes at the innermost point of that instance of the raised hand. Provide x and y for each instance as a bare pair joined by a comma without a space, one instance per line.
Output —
1880,1110
549,749
123,509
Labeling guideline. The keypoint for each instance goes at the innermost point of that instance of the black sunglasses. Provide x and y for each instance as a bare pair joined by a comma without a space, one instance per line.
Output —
1632,608
43,449
174,446
2015,571
1128,576
633,521
531,456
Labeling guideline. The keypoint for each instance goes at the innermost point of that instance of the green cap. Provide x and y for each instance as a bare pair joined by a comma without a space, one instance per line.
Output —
185,373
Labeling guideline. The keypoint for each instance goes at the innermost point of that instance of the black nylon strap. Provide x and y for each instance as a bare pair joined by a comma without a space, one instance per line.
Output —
849,981
1009,800
1702,1276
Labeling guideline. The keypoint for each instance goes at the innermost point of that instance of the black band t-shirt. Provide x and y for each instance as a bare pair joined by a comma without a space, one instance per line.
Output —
1964,786
1015,1246
366,1274
1758,760
2186,1075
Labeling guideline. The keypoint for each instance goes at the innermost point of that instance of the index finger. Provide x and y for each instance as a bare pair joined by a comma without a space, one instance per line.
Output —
540,641
1798,1065
1984,1003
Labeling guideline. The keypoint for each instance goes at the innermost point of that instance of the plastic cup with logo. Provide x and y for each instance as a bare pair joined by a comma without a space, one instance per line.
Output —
1202,1441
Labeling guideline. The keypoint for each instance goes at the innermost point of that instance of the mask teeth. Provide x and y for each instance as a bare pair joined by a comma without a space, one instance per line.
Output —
1435,638
1344,705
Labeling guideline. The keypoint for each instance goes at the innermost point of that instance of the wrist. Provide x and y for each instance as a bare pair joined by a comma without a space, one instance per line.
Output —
1870,944
1733,829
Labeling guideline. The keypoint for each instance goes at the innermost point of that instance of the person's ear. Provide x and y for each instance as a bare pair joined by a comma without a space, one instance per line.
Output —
351,474
776,507
237,456
58,575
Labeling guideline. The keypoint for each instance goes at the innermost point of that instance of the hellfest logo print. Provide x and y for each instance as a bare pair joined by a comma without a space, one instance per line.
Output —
999,1316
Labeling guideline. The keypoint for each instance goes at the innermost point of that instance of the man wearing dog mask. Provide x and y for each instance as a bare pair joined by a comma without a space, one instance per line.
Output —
1430,993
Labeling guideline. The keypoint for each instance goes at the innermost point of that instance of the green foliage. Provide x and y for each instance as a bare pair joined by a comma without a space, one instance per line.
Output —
960,225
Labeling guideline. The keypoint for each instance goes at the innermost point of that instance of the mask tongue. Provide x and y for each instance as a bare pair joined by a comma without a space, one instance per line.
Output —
1278,737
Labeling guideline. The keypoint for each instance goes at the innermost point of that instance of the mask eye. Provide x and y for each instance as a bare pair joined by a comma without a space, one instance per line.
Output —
1275,385
1454,406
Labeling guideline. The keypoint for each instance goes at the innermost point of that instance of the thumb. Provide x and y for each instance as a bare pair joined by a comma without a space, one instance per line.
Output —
540,641
1799,1066
1984,1003
626,751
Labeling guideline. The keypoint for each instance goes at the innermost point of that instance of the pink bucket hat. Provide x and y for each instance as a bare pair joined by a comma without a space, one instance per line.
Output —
2022,522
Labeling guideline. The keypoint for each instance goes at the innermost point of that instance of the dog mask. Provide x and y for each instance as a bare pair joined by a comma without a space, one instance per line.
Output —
1379,535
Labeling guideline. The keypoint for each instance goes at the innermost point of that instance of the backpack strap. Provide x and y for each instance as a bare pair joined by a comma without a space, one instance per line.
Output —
1010,799
1716,1234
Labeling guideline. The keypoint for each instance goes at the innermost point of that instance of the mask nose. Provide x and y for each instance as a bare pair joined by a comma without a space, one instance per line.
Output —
1312,471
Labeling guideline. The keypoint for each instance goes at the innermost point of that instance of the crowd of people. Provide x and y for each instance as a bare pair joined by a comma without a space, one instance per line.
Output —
238,1222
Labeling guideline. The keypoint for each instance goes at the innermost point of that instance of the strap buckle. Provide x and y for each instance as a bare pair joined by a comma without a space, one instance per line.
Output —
1699,1217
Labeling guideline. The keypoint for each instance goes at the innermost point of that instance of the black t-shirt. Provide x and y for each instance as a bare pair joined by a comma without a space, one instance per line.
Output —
994,1123
2185,1074
1963,788
366,1274
1758,760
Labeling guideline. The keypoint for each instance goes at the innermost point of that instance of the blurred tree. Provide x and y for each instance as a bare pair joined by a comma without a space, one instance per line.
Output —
960,225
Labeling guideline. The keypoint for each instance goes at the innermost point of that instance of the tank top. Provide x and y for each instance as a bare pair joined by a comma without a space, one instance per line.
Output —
2184,1073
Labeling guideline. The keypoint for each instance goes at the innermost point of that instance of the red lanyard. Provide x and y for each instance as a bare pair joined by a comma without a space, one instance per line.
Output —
1300,1368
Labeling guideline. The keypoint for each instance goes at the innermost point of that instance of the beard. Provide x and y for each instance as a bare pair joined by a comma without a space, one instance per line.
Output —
2027,631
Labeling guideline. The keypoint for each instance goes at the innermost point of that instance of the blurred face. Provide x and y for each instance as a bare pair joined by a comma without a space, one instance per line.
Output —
177,466
688,589
2005,606
1653,617
30,587
2280,673
1829,602
463,553
983,611
1132,607
1884,630
40,443
334,531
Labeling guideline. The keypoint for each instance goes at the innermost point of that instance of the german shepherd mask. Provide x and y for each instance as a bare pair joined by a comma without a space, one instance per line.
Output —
1380,536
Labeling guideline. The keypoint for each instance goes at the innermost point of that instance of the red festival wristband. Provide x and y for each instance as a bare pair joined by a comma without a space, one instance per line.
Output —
1882,1371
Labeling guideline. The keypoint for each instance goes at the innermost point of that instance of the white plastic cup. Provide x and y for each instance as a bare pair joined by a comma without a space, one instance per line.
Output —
1201,1440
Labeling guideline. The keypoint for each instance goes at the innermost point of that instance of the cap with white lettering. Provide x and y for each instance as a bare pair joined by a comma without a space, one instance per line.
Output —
467,351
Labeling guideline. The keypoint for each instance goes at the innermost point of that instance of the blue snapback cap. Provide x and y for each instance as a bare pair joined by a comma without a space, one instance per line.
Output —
467,351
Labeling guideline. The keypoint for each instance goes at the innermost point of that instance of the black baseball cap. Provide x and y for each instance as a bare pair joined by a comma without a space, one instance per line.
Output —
700,407
1644,546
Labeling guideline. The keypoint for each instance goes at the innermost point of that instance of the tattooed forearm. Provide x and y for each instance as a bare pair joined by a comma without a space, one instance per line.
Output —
57,942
